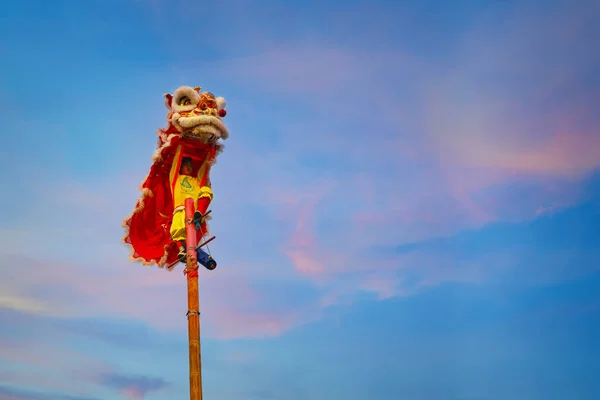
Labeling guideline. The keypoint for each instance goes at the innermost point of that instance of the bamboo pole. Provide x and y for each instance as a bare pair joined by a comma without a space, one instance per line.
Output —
193,304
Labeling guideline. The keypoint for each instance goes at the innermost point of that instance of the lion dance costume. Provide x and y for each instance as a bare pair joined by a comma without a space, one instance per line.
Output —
195,129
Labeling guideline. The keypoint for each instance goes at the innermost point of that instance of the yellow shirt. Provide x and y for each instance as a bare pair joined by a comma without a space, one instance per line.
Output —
188,186
185,186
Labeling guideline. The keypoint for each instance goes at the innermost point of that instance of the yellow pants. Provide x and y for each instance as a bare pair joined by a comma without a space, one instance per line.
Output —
178,226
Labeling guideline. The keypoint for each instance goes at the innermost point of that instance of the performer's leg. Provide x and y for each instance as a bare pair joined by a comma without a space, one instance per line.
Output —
178,226
202,206
178,233
182,255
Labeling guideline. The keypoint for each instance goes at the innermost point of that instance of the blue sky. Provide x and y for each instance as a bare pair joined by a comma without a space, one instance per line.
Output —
407,207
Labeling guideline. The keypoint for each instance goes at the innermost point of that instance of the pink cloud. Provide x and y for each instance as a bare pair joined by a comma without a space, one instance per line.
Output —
131,386
234,324
544,124
242,356
383,286
118,287
563,154
327,70
231,307
132,393
302,247
38,354
475,136
112,286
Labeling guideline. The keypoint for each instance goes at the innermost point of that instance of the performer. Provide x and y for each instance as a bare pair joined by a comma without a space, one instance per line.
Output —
188,186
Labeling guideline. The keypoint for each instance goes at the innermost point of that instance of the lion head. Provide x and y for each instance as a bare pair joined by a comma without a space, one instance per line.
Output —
197,115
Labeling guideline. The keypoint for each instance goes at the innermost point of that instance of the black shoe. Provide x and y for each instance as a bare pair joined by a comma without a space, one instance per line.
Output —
182,255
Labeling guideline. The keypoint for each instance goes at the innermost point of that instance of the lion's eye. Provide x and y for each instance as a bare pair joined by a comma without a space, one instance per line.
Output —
185,101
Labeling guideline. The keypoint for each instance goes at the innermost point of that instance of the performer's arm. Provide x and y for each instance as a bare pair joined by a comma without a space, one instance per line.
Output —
175,165
206,195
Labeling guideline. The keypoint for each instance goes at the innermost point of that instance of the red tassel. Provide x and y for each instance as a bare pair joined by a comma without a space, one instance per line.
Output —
191,274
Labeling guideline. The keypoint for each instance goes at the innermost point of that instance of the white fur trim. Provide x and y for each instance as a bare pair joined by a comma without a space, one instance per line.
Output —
185,91
157,156
206,123
221,103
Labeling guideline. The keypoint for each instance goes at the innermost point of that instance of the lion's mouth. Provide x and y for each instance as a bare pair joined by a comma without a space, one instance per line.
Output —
203,126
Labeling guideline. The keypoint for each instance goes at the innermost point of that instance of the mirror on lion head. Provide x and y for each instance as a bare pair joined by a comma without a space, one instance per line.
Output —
196,114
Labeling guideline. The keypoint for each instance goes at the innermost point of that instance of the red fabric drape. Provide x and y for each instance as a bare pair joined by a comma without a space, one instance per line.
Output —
147,228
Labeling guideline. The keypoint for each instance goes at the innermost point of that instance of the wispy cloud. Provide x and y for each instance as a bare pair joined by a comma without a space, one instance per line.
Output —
133,387
9,393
